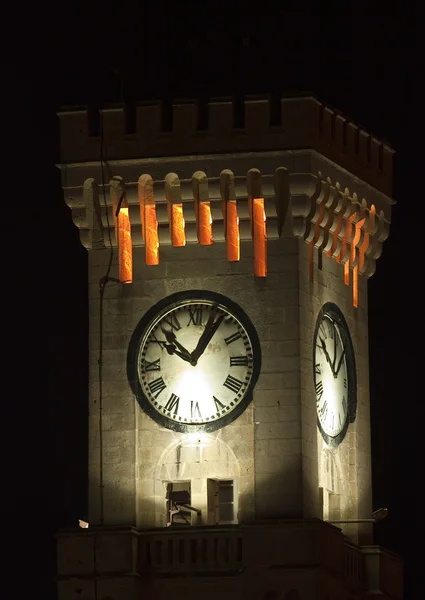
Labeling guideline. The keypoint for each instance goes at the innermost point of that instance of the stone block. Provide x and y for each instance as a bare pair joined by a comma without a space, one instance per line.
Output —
146,487
145,470
118,455
283,447
122,404
287,464
75,554
272,397
282,505
280,348
116,324
151,289
118,421
144,438
278,381
273,364
120,508
119,474
267,414
110,373
281,430
119,438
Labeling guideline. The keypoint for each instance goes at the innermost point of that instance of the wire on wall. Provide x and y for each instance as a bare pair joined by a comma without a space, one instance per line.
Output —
102,285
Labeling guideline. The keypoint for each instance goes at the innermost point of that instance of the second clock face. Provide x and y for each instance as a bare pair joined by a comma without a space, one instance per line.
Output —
197,359
334,374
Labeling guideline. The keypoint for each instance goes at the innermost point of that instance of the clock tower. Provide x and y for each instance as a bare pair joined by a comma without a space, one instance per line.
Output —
229,421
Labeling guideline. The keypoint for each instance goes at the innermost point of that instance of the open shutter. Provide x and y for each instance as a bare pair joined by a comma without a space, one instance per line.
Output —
213,502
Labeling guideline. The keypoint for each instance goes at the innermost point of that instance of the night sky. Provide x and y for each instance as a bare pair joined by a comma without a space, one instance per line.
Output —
366,64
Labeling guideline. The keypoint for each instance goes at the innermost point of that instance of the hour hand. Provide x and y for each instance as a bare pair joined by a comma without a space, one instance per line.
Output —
171,349
172,339
328,358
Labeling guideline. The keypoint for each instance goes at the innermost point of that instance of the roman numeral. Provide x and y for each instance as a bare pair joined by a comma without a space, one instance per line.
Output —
232,338
151,366
324,410
238,361
233,384
155,340
317,370
344,404
319,390
218,405
172,321
172,404
157,386
345,382
195,316
195,413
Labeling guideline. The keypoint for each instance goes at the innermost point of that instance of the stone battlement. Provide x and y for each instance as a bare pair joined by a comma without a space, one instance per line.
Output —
297,123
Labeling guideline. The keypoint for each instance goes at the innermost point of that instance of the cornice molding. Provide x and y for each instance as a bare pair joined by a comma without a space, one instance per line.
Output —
346,222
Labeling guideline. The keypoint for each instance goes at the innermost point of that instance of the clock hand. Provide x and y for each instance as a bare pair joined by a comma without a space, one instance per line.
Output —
210,329
171,349
172,339
162,343
334,360
339,363
328,358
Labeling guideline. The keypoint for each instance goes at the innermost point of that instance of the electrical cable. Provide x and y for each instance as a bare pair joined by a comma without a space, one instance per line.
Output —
102,285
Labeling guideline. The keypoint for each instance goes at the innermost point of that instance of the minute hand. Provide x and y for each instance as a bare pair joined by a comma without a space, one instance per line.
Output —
205,338
340,362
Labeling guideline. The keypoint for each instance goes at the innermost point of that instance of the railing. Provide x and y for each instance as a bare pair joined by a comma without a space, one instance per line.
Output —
212,550
186,550
354,570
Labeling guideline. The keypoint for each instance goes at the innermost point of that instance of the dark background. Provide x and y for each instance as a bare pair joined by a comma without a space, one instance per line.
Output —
362,59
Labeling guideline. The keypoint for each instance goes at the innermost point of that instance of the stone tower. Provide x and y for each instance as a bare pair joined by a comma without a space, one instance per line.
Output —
229,446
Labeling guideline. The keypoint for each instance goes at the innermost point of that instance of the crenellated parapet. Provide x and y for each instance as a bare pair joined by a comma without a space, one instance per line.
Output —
298,123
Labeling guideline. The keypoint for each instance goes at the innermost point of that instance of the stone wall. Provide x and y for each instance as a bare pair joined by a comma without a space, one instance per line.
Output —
265,440
274,444
352,456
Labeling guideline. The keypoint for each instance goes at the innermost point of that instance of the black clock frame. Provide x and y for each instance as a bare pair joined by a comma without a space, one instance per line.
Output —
334,312
175,300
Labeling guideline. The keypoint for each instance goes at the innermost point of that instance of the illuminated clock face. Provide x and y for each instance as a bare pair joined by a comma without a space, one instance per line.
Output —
334,374
193,361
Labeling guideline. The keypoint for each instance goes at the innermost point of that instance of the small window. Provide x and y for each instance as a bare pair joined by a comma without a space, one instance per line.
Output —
179,510
226,501
222,502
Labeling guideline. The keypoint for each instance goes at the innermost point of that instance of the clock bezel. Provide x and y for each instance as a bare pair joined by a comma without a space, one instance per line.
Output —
164,305
329,309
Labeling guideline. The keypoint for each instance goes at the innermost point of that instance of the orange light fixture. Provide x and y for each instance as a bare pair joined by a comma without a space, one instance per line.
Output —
148,219
204,221
175,210
230,215
202,208
122,229
125,248
232,231
260,237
